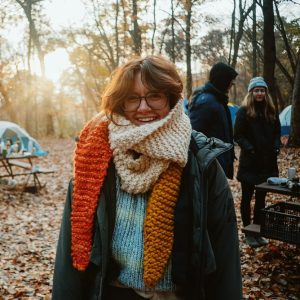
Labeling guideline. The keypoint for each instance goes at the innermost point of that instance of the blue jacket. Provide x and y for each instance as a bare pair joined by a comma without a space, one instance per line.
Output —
209,114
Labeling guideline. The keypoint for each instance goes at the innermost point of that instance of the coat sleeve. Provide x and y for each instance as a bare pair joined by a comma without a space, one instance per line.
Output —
240,130
225,283
67,281
202,114
277,141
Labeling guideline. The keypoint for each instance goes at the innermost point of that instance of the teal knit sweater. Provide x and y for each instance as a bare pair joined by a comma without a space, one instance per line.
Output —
128,242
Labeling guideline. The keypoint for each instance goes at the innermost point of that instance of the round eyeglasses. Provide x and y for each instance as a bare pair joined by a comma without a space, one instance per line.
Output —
154,100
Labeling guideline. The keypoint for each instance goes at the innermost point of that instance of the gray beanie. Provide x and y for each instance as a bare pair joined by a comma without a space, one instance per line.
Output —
256,82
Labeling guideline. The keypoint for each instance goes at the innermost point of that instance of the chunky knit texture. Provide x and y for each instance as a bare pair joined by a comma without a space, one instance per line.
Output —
159,224
161,145
91,161
157,144
128,242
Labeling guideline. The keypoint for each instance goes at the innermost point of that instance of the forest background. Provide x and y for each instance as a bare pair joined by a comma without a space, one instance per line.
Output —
258,38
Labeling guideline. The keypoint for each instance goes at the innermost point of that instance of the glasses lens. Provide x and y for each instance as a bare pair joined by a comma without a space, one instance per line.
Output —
156,100
131,103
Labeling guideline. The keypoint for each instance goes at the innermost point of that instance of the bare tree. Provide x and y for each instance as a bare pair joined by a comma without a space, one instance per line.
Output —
295,120
136,31
154,26
243,14
254,42
269,47
172,32
34,39
188,48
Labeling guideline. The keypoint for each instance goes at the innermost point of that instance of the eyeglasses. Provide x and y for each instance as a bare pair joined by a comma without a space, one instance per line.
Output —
154,100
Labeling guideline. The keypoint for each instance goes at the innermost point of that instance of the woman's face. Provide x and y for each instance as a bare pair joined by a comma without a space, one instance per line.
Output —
259,94
145,106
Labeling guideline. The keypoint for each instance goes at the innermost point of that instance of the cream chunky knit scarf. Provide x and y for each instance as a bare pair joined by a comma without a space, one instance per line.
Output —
142,153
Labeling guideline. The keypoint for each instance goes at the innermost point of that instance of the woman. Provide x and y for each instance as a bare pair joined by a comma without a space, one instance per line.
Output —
257,131
149,213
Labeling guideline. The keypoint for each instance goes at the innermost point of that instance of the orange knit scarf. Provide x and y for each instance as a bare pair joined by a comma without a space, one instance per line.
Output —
91,162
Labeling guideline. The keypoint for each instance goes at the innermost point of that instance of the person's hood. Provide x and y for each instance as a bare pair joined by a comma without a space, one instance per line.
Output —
221,75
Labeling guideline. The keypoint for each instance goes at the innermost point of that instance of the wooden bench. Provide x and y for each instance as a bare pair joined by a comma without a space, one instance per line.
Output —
42,170
28,166
21,164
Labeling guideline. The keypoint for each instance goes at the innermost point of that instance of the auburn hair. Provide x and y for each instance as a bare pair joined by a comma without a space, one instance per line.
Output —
157,73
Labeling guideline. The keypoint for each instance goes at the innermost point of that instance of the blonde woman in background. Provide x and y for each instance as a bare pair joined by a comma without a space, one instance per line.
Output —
257,132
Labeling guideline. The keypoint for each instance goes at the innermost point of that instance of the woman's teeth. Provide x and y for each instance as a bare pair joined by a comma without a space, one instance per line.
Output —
148,119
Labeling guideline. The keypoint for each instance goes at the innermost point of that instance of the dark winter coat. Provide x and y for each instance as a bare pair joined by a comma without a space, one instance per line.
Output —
205,210
209,114
259,140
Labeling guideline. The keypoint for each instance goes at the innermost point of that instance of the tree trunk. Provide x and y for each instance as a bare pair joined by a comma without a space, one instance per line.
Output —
238,36
232,32
295,120
136,32
269,48
117,33
188,50
154,26
254,43
172,32
288,49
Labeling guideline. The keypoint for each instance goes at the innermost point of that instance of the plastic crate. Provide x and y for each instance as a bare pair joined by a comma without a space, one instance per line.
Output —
281,221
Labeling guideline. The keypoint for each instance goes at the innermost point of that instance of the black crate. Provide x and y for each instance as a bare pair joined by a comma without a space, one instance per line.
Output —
281,221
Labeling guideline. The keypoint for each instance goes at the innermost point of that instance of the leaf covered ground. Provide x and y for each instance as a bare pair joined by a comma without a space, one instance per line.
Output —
30,225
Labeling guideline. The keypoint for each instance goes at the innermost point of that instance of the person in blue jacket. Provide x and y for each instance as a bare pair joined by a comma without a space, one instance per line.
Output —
209,113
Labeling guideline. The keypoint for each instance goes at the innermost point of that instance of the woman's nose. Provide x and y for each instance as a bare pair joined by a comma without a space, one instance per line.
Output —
143,105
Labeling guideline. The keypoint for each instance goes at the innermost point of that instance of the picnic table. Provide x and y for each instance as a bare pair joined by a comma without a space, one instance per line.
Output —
22,165
284,215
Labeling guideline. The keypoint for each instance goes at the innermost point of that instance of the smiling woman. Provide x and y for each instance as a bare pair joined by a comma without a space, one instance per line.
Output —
55,63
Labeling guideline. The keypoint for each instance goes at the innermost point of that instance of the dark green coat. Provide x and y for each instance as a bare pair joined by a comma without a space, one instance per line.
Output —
215,255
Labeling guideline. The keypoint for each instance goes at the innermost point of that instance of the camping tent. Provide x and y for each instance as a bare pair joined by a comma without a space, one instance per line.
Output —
233,108
285,120
13,132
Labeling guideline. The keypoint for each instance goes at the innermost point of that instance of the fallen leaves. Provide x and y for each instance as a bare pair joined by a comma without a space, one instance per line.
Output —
30,224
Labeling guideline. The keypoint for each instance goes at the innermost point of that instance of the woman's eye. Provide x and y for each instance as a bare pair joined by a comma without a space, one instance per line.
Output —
132,99
154,96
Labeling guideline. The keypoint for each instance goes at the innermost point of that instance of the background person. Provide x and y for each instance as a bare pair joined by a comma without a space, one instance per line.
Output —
149,213
209,113
257,131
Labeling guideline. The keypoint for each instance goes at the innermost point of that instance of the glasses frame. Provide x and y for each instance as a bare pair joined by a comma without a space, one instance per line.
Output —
140,98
